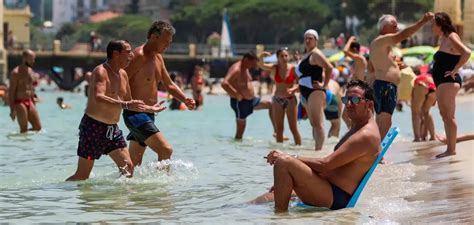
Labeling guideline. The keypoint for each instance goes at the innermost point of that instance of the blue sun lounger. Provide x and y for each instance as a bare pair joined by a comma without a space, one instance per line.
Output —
387,141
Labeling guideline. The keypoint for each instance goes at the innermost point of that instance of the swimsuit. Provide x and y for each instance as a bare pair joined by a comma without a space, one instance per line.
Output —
26,102
289,79
385,96
331,112
443,62
307,74
244,107
283,101
141,126
97,138
424,78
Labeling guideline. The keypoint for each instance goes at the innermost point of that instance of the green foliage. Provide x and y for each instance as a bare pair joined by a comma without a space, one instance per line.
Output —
66,29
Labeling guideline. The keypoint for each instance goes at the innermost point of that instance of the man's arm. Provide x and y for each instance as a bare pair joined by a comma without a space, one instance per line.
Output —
391,39
226,83
172,88
355,147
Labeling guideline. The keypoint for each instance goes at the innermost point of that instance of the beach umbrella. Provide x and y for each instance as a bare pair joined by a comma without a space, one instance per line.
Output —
336,57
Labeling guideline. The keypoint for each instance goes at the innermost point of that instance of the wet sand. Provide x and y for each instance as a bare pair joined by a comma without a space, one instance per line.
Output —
450,199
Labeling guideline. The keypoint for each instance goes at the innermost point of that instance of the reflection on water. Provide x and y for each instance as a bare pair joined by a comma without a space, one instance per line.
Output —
211,176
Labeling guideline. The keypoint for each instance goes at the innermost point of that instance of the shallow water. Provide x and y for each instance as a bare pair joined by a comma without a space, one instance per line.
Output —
212,176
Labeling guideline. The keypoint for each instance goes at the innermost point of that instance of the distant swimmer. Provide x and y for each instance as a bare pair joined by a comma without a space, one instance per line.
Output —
61,104
284,100
314,72
333,109
386,71
22,94
238,84
147,69
447,61
329,181
197,85
98,131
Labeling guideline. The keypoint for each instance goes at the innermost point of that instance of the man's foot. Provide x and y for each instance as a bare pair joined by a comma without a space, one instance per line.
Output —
442,138
444,154
285,138
383,161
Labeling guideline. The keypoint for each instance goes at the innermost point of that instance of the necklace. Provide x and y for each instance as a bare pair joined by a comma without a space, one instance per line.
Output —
115,73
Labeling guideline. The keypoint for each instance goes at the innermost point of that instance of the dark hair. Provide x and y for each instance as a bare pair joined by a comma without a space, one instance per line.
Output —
280,50
368,91
116,45
60,99
250,55
355,45
444,21
159,26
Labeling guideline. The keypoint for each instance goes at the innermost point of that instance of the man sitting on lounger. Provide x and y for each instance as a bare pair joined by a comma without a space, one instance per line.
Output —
330,181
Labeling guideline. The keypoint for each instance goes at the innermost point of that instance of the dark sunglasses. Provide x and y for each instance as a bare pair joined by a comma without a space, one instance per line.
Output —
353,99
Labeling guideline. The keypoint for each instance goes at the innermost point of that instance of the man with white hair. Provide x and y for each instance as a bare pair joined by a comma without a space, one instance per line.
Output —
387,73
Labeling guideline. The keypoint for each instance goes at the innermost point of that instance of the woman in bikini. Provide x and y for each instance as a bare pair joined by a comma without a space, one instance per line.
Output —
284,99
423,98
447,61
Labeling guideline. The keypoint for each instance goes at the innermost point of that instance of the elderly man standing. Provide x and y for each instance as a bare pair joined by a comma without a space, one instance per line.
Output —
387,73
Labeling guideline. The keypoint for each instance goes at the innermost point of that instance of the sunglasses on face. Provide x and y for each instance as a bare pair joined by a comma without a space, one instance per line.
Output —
352,99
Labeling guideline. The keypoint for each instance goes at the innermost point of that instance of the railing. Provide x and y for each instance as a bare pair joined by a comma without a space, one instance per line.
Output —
174,49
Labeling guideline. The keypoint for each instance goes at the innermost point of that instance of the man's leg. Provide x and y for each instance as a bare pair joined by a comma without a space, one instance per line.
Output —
33,118
157,142
84,168
22,117
240,128
291,174
122,159
384,121
136,153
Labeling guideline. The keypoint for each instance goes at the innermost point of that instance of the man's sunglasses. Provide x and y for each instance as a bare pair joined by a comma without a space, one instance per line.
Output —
353,99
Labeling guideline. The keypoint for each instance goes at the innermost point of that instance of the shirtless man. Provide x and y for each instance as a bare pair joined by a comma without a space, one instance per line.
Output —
352,50
330,181
98,131
21,94
146,70
387,73
238,84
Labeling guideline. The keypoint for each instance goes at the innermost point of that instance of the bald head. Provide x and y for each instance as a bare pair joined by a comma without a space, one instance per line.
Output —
29,57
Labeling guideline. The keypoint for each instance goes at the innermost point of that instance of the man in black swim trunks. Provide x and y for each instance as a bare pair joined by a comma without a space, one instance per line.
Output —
387,74
330,181
98,131
238,84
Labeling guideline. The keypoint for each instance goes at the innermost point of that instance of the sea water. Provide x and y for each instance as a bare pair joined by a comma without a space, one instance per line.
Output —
211,177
